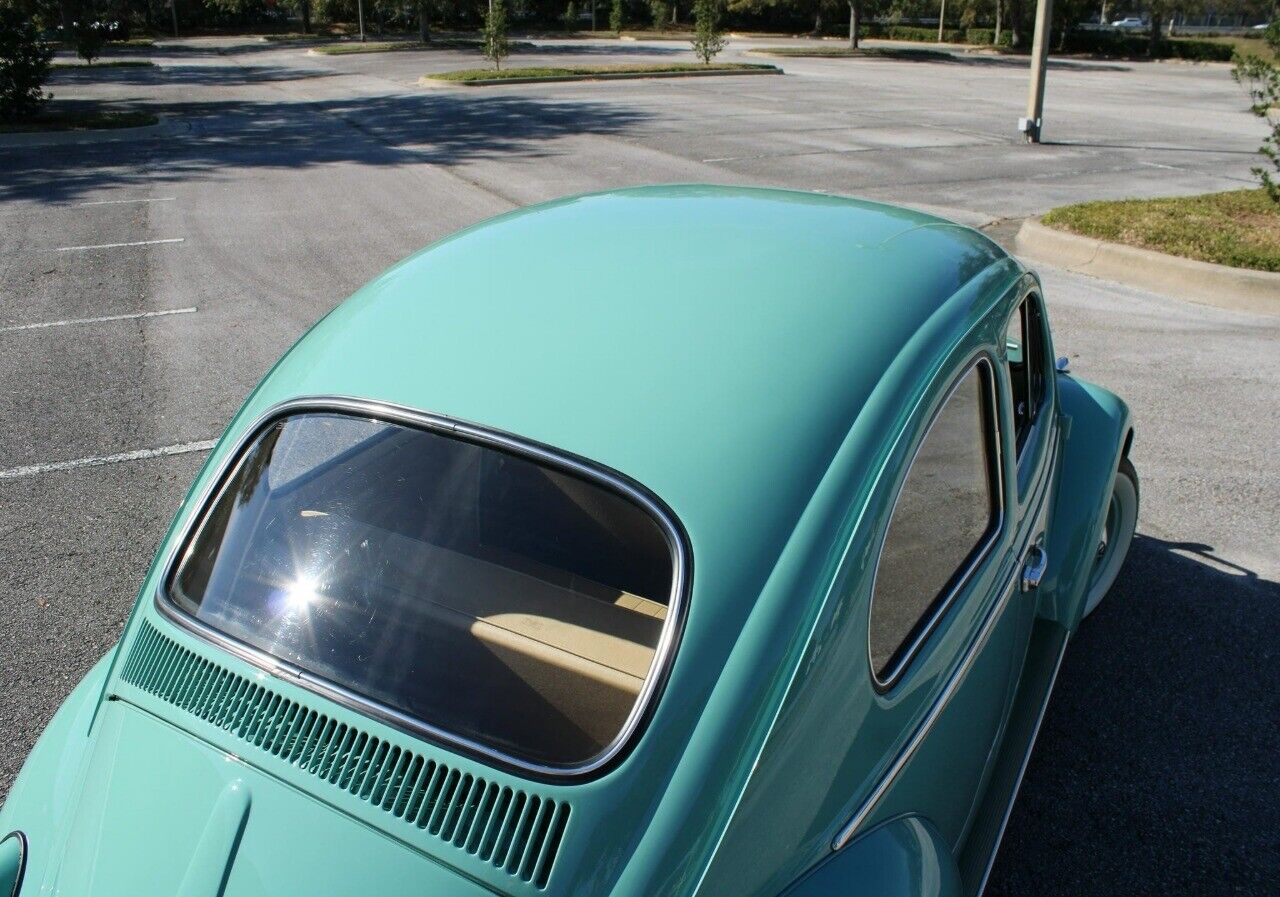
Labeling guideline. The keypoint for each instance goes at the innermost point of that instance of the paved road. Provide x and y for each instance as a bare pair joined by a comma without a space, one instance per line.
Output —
292,179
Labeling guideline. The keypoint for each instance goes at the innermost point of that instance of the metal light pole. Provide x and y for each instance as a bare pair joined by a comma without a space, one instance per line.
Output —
942,18
1031,125
173,7
360,12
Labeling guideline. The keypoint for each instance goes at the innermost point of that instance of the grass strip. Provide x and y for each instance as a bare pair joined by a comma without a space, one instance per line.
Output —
594,71
78,120
107,64
846,53
393,46
1240,228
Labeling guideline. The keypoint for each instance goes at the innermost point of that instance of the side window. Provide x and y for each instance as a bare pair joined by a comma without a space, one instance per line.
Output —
942,523
1024,345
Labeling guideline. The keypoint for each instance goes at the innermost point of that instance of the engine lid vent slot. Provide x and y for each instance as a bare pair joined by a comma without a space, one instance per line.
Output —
507,827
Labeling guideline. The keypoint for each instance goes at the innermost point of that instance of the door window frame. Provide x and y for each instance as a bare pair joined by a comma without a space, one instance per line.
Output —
1032,444
931,619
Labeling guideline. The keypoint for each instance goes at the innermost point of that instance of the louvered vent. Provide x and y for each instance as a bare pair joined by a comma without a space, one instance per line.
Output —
508,828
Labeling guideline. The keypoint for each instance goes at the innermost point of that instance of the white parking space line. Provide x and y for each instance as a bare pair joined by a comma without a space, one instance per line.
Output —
181,448
117,245
130,317
120,202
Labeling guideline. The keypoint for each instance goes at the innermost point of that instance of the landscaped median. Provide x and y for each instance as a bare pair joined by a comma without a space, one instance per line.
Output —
1220,248
828,52
533,75
106,64
346,48
79,118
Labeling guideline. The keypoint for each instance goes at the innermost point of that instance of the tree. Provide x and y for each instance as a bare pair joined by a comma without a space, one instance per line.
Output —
496,46
1261,79
24,65
707,38
90,36
813,8
424,22
1017,23
658,12
303,8
615,17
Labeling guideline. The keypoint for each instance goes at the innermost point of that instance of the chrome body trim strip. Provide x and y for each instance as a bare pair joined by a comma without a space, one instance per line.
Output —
1022,769
922,729
659,668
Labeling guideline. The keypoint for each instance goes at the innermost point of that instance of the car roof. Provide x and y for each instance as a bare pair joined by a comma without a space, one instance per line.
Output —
713,343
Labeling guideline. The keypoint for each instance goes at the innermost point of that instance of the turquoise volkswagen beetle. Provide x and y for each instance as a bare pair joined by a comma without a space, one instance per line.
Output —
669,541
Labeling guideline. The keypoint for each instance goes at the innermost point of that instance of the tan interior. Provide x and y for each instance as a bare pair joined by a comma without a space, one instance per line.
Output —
605,635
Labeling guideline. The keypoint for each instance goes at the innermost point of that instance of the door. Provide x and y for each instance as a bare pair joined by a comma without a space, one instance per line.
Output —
949,619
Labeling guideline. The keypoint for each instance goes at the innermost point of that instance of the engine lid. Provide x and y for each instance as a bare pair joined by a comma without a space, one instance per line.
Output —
165,814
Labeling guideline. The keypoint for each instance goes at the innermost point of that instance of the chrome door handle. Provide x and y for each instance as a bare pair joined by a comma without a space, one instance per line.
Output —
1037,561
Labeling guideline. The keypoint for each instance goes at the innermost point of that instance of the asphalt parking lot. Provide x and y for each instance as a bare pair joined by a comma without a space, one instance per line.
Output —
147,283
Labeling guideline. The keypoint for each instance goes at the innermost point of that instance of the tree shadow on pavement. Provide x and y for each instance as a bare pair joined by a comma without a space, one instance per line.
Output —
1156,770
185,75
1024,62
391,130
1089,144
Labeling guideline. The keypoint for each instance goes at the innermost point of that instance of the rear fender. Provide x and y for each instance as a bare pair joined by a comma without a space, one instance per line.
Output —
1096,431
904,857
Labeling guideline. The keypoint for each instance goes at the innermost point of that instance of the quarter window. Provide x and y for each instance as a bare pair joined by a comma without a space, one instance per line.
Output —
1025,350
944,518
485,594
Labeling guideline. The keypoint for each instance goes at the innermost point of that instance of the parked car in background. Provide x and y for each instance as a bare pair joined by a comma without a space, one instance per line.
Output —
1129,23
737,556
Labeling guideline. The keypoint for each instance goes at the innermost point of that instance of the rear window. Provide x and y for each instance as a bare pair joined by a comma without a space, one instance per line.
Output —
484,594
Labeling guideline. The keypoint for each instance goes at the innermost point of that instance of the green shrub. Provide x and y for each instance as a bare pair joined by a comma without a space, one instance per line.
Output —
659,12
1261,79
1136,46
24,66
915,33
986,37
1199,50
615,17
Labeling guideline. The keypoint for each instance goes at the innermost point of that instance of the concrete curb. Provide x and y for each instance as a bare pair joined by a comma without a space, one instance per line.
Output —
1208,284
428,81
165,127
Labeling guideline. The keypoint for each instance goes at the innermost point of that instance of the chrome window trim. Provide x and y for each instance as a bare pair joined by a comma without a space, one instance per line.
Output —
995,462
942,700
23,849
1036,428
659,667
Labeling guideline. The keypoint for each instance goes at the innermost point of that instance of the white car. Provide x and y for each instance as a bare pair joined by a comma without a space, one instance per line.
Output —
1128,23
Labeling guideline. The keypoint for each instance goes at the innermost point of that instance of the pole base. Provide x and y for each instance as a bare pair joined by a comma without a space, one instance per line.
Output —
1030,129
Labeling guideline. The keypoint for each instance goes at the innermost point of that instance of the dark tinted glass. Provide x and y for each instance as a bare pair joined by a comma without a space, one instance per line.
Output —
1025,348
942,516
477,591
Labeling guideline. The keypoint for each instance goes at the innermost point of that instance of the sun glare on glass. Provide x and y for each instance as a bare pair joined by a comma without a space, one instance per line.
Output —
301,593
